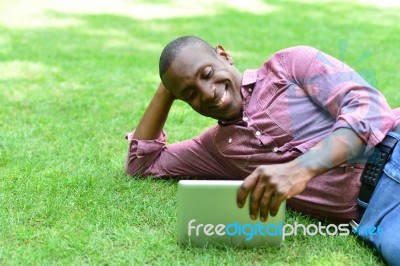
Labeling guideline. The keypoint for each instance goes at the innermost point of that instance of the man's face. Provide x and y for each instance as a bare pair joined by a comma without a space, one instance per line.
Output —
210,84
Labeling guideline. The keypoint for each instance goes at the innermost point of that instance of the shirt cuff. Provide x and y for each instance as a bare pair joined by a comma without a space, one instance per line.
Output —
364,130
140,148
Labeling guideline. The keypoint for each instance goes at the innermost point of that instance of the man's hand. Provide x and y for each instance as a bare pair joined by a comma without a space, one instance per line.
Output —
269,185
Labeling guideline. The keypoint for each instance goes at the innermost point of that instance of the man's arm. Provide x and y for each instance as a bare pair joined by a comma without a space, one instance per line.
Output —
148,154
269,185
153,120
149,130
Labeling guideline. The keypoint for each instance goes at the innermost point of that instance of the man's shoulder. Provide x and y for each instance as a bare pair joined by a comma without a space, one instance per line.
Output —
293,50
283,57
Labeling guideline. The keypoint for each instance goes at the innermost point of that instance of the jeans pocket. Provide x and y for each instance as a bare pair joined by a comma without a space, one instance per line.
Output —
392,170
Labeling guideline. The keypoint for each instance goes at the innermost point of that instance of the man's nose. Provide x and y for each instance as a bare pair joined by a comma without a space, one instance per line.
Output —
208,93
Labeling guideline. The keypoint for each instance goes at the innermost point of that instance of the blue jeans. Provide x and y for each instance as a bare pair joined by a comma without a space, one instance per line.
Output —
383,211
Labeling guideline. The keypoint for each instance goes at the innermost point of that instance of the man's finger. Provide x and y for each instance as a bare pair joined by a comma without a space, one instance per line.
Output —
265,204
276,202
244,190
255,199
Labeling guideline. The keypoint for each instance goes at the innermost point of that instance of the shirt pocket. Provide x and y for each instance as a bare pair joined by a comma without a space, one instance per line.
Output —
272,118
231,144
294,112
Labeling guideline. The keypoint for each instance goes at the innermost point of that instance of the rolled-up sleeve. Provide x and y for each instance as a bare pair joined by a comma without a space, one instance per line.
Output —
192,157
340,90
143,153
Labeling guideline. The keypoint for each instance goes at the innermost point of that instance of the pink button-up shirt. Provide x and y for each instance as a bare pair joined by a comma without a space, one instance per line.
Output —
294,100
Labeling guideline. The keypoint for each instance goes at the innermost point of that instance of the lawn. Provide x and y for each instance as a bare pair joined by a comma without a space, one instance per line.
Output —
74,78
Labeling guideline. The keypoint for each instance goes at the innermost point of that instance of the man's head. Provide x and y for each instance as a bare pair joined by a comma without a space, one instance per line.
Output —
202,76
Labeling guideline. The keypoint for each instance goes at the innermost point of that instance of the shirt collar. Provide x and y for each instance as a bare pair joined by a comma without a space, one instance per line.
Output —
248,80
238,121
249,77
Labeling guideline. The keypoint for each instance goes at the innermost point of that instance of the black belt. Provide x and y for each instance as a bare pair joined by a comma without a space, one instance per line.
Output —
374,167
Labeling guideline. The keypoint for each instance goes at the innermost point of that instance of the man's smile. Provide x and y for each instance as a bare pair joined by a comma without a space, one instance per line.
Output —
222,98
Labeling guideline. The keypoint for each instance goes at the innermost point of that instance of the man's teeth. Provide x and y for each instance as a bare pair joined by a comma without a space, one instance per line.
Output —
222,99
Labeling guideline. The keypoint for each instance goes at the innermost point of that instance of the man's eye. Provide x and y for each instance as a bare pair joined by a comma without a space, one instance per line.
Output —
208,73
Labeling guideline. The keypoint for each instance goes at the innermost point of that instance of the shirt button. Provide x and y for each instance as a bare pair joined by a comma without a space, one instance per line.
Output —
245,119
258,133
250,90
275,149
230,140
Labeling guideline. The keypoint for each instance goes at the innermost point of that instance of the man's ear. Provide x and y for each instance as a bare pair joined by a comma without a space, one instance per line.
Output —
221,52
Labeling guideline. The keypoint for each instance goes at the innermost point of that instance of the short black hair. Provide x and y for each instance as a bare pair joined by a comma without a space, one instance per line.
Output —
175,47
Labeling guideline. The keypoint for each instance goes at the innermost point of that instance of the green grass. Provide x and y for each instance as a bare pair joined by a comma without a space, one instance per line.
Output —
69,93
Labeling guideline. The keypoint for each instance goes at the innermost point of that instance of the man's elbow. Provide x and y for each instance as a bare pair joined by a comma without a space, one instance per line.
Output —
132,169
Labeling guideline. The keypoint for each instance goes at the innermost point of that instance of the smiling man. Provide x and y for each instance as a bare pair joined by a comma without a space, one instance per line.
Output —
207,83
289,129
